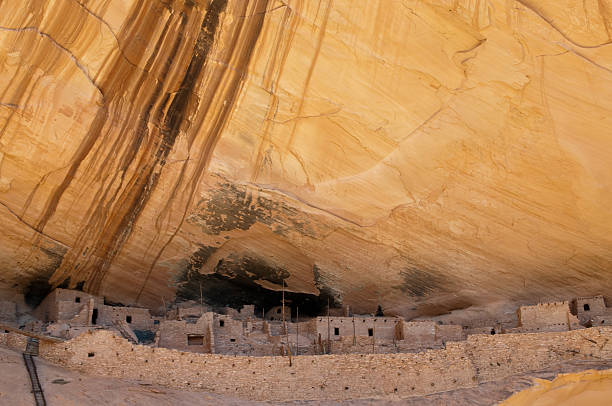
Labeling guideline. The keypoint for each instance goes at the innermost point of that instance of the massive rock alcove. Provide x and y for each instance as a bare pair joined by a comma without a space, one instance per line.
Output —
421,155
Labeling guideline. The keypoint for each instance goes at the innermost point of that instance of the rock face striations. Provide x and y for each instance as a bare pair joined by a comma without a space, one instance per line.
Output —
421,155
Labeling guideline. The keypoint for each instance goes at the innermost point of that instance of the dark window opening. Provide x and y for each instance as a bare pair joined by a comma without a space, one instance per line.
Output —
602,322
233,340
128,319
77,300
90,354
155,321
195,340
278,311
492,331
586,307
370,332
336,331
221,323
94,316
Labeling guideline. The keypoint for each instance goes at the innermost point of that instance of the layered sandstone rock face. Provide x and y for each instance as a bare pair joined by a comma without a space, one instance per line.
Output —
422,155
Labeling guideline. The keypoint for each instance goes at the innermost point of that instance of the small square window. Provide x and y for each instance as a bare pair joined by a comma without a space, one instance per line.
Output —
221,323
155,321
336,331
77,300
586,307
233,340
370,332
128,319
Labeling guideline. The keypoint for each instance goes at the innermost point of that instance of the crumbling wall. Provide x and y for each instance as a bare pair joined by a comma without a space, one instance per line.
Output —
263,378
378,327
461,364
366,345
604,320
8,311
138,318
419,333
66,304
13,340
276,313
591,308
449,332
554,316
175,334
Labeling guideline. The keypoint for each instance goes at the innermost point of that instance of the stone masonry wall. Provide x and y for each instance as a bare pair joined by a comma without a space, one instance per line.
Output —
8,311
13,341
140,318
461,364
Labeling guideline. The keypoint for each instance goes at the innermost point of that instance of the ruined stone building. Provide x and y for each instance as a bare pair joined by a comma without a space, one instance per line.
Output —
71,312
382,335
8,312
555,316
592,311
193,327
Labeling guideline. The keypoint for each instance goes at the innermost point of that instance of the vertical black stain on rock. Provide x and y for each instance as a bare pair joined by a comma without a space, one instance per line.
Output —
176,113
171,125
112,221
225,89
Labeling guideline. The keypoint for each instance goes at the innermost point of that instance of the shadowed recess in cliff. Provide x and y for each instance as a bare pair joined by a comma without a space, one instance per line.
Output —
38,287
234,284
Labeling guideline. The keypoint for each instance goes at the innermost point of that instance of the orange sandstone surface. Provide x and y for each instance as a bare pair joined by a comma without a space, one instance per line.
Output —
588,388
422,155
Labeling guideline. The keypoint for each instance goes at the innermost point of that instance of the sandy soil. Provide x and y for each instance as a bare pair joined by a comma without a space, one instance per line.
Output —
63,387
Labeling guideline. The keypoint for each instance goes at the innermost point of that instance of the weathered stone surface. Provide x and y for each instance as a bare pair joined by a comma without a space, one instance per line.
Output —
423,155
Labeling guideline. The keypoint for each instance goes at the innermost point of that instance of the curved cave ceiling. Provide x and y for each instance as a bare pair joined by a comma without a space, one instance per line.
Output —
420,155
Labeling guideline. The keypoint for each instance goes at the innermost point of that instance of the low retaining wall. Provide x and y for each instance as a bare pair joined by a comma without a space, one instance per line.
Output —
462,364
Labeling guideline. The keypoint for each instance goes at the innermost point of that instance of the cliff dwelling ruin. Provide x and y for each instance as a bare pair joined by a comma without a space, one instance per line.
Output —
336,201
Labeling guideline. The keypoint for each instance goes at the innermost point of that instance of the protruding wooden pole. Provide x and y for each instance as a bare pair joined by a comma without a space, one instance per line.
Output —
354,335
283,305
201,299
297,330
328,329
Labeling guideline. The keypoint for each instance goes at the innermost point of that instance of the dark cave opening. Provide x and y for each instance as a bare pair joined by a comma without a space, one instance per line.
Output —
234,284
222,291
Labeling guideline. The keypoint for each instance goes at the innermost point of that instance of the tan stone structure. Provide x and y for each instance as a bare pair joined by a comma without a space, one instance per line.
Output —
8,311
193,327
72,312
555,316
592,311
478,359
